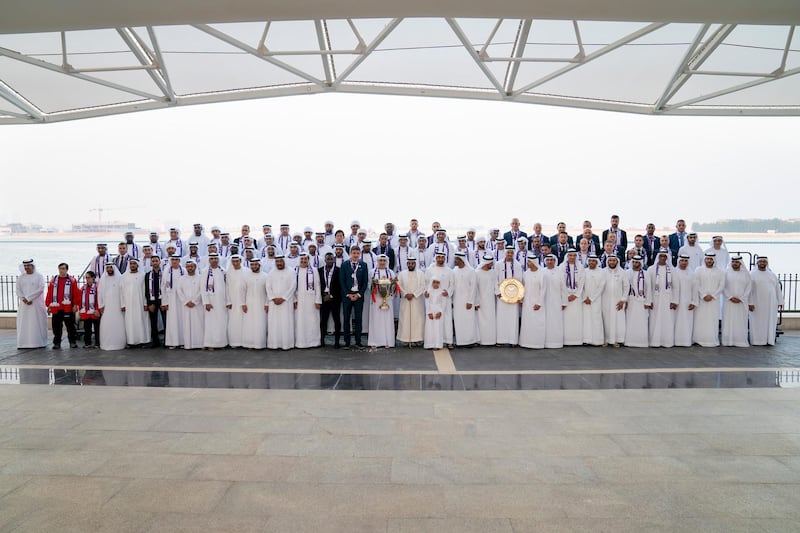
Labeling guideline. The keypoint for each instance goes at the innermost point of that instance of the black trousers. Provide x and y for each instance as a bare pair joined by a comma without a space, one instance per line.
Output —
154,322
352,310
91,325
328,308
60,319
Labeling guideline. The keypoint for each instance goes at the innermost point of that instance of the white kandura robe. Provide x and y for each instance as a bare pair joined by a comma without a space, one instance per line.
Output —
214,293
734,318
465,322
137,319
615,291
31,319
765,296
507,314
281,284
637,327
662,317
446,279
381,321
593,286
372,261
435,302
112,330
695,253
173,332
189,292
411,320
486,302
534,322
235,289
306,316
709,281
254,325
555,299
573,314
684,283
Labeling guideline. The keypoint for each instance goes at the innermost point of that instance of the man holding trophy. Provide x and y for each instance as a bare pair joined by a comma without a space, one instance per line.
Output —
381,311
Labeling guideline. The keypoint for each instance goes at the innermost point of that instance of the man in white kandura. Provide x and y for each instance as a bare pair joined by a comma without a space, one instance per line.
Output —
766,298
31,312
411,320
381,321
215,300
307,304
710,282
574,279
507,314
486,300
235,289
555,303
665,298
737,289
684,281
281,288
254,326
693,251
465,287
112,334
615,298
594,284
534,317
190,298
637,314
173,329
134,305
445,276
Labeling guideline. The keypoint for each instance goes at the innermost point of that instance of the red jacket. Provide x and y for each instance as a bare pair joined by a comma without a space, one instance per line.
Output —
74,294
92,309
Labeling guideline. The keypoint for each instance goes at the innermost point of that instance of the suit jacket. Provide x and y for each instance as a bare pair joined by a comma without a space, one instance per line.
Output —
336,284
544,240
623,242
389,253
510,243
346,277
598,247
675,245
652,251
554,241
559,253
149,298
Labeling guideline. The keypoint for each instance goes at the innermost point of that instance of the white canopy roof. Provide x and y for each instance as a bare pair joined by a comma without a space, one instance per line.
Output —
61,61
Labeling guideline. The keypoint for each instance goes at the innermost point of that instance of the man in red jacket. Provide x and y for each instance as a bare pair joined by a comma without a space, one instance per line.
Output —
63,298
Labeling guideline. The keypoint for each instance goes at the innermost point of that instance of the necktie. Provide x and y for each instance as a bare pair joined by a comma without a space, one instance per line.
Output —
681,238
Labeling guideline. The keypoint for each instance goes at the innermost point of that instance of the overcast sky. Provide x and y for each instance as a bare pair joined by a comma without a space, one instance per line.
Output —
304,159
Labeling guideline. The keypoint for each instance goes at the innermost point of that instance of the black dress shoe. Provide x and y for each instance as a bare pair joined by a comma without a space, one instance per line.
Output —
56,346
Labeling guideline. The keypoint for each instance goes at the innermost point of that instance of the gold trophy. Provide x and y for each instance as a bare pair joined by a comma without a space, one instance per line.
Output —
385,288
512,290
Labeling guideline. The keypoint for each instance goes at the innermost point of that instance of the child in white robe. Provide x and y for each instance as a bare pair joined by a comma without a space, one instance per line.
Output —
434,309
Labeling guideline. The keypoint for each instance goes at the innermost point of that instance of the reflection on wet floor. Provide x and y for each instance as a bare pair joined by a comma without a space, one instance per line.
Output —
409,381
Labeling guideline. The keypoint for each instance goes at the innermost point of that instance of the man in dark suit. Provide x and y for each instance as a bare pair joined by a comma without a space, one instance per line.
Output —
677,239
331,299
384,247
353,278
537,232
152,297
622,236
511,236
594,241
561,246
554,240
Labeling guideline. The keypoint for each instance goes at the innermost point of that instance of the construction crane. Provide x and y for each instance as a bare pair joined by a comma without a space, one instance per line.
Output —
101,209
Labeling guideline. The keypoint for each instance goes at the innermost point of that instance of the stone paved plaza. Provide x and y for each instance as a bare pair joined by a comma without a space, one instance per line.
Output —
181,458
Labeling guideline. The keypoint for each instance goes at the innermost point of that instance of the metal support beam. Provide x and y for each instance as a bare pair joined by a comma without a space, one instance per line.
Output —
161,64
474,55
376,42
735,88
324,41
591,57
55,68
700,55
145,57
517,51
12,96
224,37
690,52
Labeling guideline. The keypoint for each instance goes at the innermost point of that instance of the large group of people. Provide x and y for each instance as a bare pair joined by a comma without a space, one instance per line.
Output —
284,290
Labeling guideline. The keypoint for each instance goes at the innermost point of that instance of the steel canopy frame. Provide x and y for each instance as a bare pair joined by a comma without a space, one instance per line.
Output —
338,78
